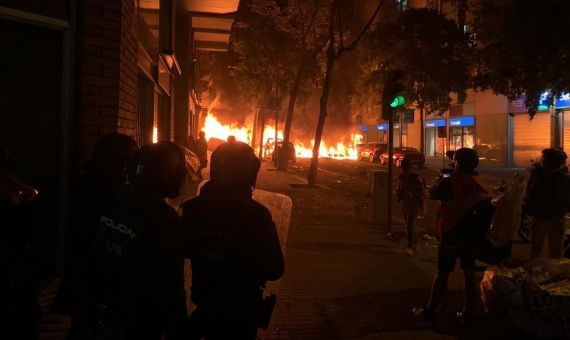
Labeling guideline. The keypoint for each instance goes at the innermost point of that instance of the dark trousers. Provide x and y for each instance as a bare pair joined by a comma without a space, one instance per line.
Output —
211,325
410,219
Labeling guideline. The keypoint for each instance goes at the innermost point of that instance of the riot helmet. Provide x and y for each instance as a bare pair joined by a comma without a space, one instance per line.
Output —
111,154
466,159
159,169
234,164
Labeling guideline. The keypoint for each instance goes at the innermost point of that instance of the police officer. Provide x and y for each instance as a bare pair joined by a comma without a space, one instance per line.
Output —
233,245
135,268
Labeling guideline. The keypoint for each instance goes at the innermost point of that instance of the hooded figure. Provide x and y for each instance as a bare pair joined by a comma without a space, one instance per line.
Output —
547,200
233,245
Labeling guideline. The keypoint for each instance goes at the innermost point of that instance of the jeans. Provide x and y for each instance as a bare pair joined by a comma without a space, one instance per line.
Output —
409,220
551,228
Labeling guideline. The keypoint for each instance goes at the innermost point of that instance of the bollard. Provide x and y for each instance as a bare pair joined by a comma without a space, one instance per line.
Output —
377,182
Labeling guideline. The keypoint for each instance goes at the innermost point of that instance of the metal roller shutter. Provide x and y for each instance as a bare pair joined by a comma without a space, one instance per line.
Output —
530,137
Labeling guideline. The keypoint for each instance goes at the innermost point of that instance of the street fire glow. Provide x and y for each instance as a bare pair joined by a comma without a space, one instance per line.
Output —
343,149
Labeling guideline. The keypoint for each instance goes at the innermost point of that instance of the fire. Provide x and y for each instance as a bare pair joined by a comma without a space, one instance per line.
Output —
155,134
338,151
343,149
214,129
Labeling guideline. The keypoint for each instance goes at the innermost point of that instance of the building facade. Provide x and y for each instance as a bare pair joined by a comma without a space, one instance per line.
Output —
73,71
500,130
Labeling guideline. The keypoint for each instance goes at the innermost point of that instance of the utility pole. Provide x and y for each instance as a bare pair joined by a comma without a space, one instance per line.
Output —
390,170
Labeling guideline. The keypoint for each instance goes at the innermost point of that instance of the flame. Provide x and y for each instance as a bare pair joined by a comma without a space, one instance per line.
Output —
214,129
339,151
345,148
155,134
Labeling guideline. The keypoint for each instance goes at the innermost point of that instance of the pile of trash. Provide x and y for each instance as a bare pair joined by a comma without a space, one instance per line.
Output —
535,294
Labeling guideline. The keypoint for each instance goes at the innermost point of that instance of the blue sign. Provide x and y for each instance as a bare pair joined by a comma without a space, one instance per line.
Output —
364,128
434,123
462,121
385,127
563,101
382,127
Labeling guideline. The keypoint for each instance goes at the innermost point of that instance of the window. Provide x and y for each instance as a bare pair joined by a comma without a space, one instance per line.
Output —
148,26
402,5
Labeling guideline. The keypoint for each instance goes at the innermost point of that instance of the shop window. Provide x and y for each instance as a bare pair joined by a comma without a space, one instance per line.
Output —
148,25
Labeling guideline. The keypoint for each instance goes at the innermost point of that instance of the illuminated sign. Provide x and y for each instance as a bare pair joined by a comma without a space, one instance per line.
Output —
563,101
384,127
462,121
434,123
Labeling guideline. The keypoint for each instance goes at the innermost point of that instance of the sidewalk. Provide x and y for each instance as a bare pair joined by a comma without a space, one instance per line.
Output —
345,280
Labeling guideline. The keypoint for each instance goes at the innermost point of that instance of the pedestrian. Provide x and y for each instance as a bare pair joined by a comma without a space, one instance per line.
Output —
463,205
202,152
233,246
410,193
134,268
547,199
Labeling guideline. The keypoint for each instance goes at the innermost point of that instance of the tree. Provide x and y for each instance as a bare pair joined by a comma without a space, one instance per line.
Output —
304,23
340,13
522,48
433,53
262,53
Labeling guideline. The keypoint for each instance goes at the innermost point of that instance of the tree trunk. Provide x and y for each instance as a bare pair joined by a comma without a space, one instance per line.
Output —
312,175
422,130
261,136
284,154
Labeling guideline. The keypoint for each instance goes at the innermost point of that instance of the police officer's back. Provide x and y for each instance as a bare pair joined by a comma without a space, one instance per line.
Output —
233,246
135,269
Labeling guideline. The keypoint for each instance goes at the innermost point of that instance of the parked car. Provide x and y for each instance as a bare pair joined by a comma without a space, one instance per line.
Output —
370,151
497,153
482,150
269,150
418,159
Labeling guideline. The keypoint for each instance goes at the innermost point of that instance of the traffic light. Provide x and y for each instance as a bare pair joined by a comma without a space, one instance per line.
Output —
393,93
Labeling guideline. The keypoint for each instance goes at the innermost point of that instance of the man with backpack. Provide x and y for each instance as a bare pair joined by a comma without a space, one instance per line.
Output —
134,269
547,200
410,193
464,211
233,246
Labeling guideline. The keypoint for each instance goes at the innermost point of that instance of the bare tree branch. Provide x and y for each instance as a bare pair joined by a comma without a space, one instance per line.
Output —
352,46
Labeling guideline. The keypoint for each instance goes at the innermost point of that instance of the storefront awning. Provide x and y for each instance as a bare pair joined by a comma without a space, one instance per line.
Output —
212,22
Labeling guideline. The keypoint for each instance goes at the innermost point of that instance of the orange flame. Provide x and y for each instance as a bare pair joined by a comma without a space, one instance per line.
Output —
343,149
214,129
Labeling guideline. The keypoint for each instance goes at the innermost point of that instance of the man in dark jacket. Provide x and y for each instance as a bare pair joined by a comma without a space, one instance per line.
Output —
233,245
134,268
547,200
461,195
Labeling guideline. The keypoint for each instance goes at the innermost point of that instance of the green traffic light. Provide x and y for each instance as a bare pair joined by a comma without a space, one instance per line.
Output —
398,101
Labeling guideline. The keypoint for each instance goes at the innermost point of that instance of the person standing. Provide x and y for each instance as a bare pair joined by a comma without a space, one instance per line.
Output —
464,206
134,269
547,200
202,152
410,192
232,243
